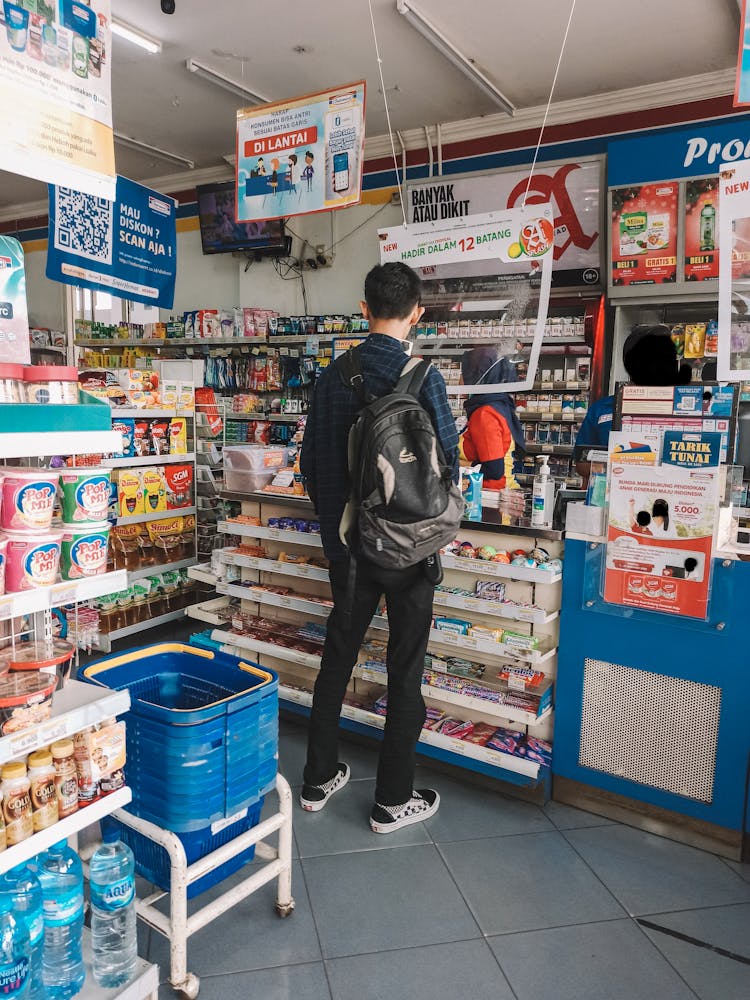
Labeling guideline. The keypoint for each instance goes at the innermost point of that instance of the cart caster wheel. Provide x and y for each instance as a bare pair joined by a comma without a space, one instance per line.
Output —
190,988
285,909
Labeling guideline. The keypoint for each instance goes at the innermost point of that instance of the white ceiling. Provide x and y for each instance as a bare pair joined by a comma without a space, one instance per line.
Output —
612,46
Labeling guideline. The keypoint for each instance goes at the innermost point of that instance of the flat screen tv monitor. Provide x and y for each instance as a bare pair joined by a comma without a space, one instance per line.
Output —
221,233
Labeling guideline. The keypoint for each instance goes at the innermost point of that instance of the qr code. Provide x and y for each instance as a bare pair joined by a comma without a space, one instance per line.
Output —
83,225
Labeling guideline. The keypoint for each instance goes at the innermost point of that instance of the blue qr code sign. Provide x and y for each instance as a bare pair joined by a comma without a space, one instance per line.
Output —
83,225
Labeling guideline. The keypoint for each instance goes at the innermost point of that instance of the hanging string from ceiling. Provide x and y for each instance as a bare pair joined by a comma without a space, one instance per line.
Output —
549,102
387,112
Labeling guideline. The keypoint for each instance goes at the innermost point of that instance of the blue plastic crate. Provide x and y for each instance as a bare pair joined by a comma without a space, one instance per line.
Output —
202,732
152,861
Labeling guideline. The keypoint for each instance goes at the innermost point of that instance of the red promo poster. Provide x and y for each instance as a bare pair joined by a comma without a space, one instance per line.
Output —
702,229
660,537
644,234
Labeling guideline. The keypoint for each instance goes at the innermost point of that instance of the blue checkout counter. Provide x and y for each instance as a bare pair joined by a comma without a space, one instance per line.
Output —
652,721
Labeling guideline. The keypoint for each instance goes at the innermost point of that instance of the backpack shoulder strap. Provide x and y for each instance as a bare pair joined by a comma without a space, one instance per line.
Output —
412,376
349,367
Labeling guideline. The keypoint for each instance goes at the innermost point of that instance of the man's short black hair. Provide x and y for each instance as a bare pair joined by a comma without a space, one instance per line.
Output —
392,291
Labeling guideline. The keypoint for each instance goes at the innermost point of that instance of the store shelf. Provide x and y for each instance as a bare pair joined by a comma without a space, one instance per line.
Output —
159,515
28,602
74,707
105,640
559,417
548,449
469,644
207,611
63,829
39,444
145,571
481,567
48,349
278,418
571,386
176,342
259,648
260,596
509,612
498,764
203,574
274,566
283,498
135,463
143,986
277,534
146,413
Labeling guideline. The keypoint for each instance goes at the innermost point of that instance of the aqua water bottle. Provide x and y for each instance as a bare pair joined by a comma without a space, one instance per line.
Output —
22,887
61,877
113,919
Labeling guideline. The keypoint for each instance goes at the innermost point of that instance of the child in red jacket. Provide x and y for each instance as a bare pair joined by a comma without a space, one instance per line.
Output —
494,429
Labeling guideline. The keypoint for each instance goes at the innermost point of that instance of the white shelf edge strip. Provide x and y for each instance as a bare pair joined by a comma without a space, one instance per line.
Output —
139,574
68,592
482,567
510,612
63,829
278,534
125,463
274,566
296,603
40,444
157,515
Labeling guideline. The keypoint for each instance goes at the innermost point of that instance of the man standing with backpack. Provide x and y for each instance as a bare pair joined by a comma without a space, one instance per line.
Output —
380,459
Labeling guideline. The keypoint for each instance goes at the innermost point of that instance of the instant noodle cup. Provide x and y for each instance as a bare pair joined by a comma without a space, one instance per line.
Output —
25,700
85,495
84,550
3,562
32,561
28,499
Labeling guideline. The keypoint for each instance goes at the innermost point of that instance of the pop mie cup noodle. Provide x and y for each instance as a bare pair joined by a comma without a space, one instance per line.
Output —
3,563
85,495
31,561
28,499
84,550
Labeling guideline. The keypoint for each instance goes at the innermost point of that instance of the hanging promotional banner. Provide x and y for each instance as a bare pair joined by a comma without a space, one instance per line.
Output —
644,234
519,240
301,156
734,273
702,229
742,80
661,525
573,190
56,110
127,247
14,319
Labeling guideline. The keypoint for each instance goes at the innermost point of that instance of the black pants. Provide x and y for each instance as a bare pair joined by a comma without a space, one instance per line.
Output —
409,596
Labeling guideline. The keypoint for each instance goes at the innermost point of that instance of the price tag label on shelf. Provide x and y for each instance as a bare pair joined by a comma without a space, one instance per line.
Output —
24,742
547,385
469,641
56,730
285,602
516,684
572,385
274,533
547,448
303,570
524,616
472,604
66,595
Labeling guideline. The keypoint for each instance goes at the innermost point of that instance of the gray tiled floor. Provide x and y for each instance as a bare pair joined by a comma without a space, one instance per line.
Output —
492,899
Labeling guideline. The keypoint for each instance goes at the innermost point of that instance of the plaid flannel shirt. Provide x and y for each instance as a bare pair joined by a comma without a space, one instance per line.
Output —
323,461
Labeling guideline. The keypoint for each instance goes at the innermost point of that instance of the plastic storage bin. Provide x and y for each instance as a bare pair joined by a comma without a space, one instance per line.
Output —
202,732
250,467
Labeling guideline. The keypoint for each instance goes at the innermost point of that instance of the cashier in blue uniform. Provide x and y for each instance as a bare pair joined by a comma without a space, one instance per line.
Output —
650,358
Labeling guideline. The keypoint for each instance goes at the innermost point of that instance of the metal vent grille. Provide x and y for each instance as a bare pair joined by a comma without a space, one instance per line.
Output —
652,729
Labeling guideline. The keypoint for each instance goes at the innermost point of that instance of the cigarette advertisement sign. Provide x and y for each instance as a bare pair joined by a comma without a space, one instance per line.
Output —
702,229
14,320
644,234
301,156
661,526
573,190
127,247
56,108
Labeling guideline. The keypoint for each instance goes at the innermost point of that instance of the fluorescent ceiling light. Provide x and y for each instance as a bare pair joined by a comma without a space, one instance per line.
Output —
155,151
130,34
225,82
437,39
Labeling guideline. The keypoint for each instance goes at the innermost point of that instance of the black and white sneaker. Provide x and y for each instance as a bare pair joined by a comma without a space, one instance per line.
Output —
314,797
423,803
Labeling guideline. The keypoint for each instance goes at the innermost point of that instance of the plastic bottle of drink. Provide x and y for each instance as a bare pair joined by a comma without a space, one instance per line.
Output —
61,877
22,888
15,953
113,920
708,227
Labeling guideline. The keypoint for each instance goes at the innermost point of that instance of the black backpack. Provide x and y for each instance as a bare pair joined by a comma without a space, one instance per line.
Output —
403,505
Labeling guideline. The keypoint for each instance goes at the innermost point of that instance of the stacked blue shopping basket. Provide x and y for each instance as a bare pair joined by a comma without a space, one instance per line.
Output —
202,741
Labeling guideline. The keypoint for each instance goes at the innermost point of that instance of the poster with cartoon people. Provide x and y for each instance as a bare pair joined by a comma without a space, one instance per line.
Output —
301,156
661,525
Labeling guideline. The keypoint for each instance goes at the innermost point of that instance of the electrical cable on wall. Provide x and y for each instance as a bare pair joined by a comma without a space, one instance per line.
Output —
387,112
